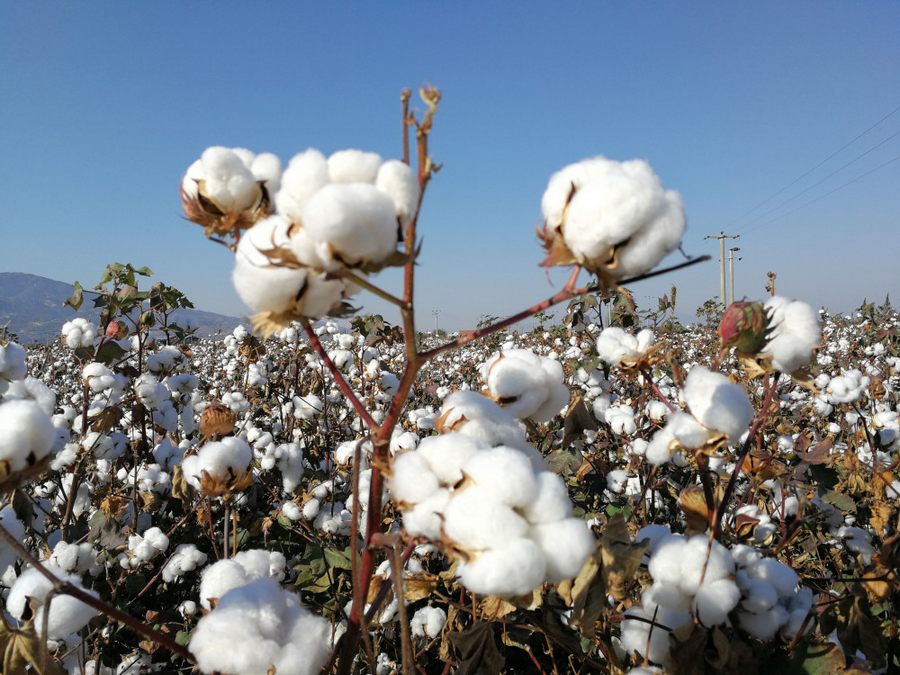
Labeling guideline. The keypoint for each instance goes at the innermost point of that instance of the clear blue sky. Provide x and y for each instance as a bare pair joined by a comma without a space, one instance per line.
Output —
104,104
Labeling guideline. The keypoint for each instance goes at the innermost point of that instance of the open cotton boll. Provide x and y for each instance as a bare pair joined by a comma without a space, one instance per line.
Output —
794,332
687,430
717,402
651,641
261,628
782,577
527,385
26,434
222,177
516,568
411,478
662,446
715,600
665,563
666,595
471,414
263,284
551,503
32,389
614,204
759,595
67,614
222,460
306,174
398,182
79,333
506,473
185,559
353,166
615,345
266,168
475,519
447,453
764,625
566,545
425,519
428,622
694,558
12,362
351,223
847,387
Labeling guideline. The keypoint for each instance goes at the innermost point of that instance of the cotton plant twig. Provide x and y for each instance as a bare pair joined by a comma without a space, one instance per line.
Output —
66,588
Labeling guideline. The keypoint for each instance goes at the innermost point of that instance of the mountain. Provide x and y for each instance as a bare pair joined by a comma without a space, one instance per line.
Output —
32,307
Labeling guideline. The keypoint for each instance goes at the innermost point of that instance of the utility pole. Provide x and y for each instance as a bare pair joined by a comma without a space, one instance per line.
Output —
435,312
722,237
731,260
771,285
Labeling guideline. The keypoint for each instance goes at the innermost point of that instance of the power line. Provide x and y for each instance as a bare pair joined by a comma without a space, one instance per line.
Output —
806,173
830,192
822,180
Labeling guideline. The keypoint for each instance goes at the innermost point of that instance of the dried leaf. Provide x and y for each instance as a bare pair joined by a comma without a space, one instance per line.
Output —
476,650
696,511
578,418
23,652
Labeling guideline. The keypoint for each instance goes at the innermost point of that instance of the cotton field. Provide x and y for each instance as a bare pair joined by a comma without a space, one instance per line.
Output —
322,491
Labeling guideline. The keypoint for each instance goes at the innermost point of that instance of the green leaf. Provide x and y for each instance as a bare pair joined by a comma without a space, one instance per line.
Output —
144,271
338,559
74,301
109,352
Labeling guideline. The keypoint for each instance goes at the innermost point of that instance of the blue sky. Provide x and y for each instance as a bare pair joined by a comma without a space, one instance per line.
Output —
105,104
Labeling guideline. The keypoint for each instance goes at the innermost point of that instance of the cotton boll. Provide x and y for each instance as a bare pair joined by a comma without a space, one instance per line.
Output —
12,362
794,332
353,166
306,174
759,596
665,563
566,545
782,577
666,596
661,446
411,479
656,534
67,614
26,434
717,403
446,454
398,182
648,640
351,223
694,558
425,519
516,568
506,473
715,600
266,168
764,625
264,284
475,519
428,622
687,431
222,460
185,559
477,417
615,345
551,503
258,627
526,384
226,180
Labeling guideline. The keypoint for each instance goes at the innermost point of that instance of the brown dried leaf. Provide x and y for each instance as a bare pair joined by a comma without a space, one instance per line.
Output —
578,419
693,504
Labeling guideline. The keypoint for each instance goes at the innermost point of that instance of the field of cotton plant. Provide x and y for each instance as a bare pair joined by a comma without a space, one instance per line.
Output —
326,492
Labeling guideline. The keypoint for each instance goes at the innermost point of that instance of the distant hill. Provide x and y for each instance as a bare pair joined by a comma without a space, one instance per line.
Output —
33,307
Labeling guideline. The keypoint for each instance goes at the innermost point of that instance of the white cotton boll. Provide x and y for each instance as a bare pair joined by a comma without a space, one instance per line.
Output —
687,430
425,519
259,627
857,540
259,563
715,600
407,441
428,622
782,577
263,284
551,503
764,625
506,473
516,568
228,181
351,223
665,563
744,555
759,595
32,389
656,240
620,419
412,480
717,403
847,387
656,534
661,446
398,181
220,459
185,559
218,579
307,407
353,166
651,642
475,519
657,410
615,481
79,333
794,332
615,345
67,615
566,545
666,596
311,509
266,168
693,559
471,414
321,295
291,511
446,454
289,460
26,434
12,362
306,174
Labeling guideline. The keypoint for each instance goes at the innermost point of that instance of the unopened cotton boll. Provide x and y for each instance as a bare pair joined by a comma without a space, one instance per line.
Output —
513,569
257,627
614,216
717,403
